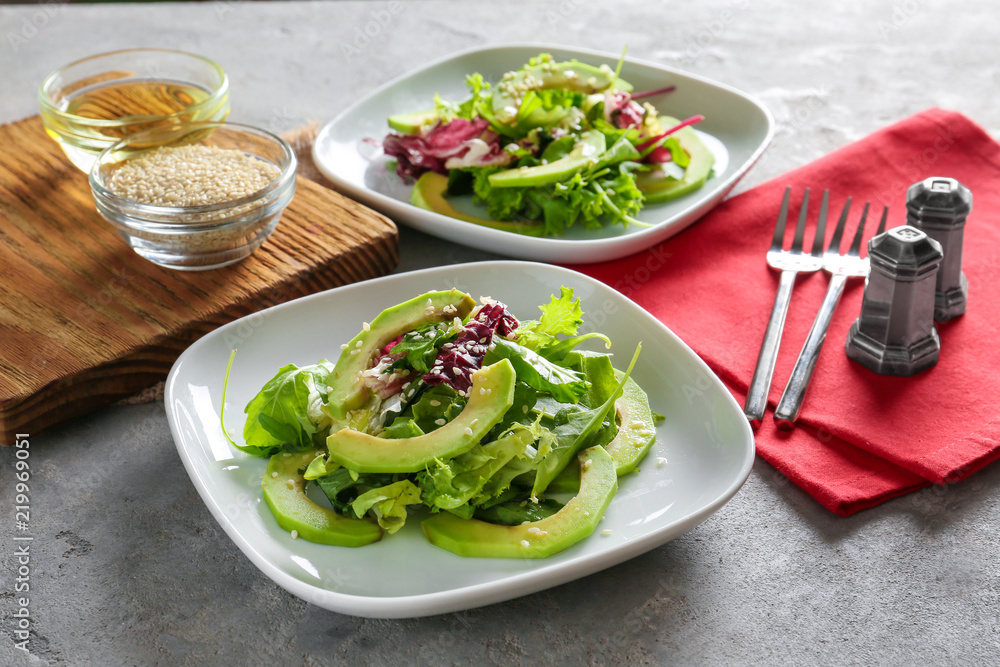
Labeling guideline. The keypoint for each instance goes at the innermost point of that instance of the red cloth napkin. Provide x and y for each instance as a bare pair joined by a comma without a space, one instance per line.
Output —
862,438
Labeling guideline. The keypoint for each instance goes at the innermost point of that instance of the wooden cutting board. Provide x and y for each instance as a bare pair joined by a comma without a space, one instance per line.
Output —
84,321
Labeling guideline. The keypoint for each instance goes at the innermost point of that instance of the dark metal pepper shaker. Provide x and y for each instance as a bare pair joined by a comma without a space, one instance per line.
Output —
895,334
938,206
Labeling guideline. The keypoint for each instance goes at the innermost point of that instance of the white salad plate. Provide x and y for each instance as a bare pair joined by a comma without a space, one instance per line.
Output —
705,440
737,129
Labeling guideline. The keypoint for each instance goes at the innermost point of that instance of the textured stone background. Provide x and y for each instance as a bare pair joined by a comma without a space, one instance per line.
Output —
130,568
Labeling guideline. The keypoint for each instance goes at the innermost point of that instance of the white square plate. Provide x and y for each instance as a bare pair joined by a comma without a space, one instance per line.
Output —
736,128
705,438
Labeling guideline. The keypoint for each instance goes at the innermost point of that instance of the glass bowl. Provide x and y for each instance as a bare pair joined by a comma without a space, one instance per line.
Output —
200,237
92,103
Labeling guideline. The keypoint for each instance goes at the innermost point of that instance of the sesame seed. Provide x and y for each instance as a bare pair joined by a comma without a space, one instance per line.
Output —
482,391
586,513
524,409
587,464
468,431
343,346
290,484
660,462
474,421
366,326
295,534
273,475
440,422
435,403
359,343
355,351
525,543
193,175
606,532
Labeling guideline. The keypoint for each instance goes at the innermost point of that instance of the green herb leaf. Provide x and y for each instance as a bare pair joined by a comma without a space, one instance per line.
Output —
421,347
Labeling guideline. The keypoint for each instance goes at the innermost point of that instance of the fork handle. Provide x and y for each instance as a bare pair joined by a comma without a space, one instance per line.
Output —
791,399
761,383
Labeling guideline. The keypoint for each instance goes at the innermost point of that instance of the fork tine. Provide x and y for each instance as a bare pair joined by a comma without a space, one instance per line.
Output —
855,250
881,224
838,231
800,229
779,230
817,246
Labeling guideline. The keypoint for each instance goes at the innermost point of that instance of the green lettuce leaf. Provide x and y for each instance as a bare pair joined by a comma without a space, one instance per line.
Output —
562,315
498,487
557,350
436,403
538,372
342,487
320,467
594,197
574,431
286,413
402,428
388,503
516,513
448,485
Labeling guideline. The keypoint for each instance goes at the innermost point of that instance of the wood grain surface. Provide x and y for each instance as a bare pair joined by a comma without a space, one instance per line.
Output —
84,321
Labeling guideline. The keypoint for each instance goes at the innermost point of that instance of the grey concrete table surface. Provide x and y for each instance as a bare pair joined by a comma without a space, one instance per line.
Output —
129,567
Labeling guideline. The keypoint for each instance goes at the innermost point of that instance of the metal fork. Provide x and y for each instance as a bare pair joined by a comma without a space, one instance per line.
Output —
840,267
790,262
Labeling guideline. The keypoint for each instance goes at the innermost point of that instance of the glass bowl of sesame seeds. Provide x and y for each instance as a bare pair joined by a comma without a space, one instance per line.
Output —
195,196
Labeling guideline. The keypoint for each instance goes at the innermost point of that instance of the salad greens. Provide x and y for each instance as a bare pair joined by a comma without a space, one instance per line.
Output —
553,144
421,379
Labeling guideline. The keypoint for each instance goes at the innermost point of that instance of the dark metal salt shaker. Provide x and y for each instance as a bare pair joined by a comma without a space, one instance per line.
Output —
939,206
895,334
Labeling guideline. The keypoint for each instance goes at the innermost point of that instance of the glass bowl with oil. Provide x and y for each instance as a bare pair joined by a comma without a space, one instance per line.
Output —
92,103
195,196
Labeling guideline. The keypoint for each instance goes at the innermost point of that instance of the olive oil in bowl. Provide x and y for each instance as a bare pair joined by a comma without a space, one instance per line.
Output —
89,105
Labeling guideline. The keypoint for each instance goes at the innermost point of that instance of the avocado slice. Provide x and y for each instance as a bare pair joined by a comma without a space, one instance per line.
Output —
293,510
636,434
656,188
429,193
537,539
587,150
413,122
346,392
490,396
572,75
